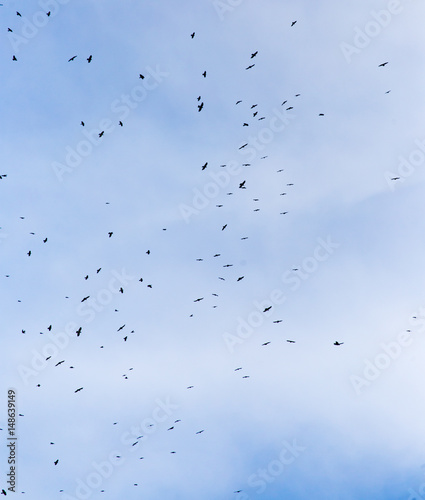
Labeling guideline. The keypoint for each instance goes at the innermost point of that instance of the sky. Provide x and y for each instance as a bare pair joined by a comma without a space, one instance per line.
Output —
212,286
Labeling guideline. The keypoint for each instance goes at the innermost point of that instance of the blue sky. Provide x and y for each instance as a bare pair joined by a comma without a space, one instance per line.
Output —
322,242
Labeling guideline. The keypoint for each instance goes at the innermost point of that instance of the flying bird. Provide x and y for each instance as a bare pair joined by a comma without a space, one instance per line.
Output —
224,227
383,65
85,298
193,35
338,343
200,106
293,22
80,389
267,309
204,74
101,134
291,341
56,462
204,166
72,58
254,54
250,66
14,58
266,343
89,58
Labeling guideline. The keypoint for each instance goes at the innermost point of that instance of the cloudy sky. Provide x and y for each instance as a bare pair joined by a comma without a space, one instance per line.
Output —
189,243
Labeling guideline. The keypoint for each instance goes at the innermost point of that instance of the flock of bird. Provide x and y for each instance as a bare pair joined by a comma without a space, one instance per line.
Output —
254,113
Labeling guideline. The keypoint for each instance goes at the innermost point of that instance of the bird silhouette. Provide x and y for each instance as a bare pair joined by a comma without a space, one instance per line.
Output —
250,66
204,74
193,35
254,54
80,389
383,65
89,59
72,58
338,343
200,106
293,22
204,166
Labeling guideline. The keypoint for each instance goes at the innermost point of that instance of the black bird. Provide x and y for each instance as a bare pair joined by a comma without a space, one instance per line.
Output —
238,102
141,76
78,331
321,114
72,58
45,240
250,66
56,462
18,14
200,432
101,134
29,253
190,387
98,271
205,165
148,252
8,29
198,300
217,255
293,22
245,125
254,106
89,58
338,343
82,124
236,369
267,309
198,98
49,328
200,106
48,14
383,65
224,227
60,362
14,58
278,321
85,298
86,277
171,428
255,114
204,74
242,185
240,278
266,343
121,290
395,178
120,328
80,389
110,233
254,54
244,146
193,35
3,492
291,341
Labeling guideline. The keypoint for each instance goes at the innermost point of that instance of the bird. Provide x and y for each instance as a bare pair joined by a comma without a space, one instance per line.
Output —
204,74
3,492
120,123
89,58
240,278
80,389
293,22
321,114
338,343
190,387
237,369
278,321
98,270
45,240
193,35
224,227
254,106
291,341
110,233
200,106
148,252
198,98
101,133
85,298
245,125
49,328
48,13
29,253
242,185
121,290
60,362
78,331
141,76
120,328
204,166
254,54
170,429
82,124
238,102
383,64
250,66
266,343
200,432
86,277
198,300
244,146
267,309
72,58
395,178
8,29
14,58
18,14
